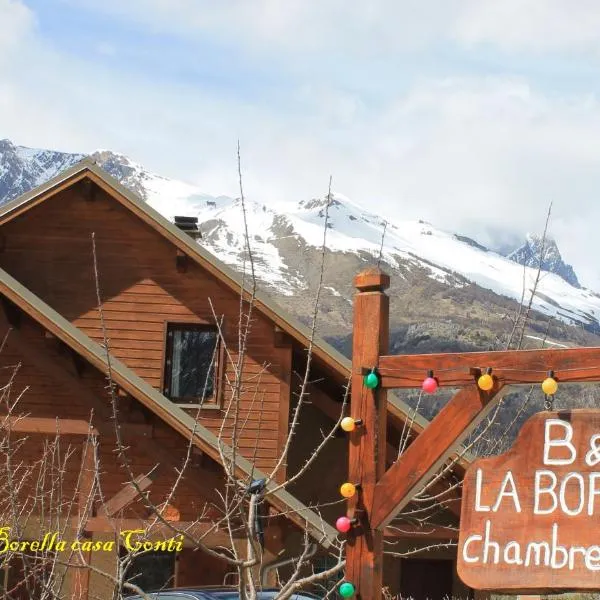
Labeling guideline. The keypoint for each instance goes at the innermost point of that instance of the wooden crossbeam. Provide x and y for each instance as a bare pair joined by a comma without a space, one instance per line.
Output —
47,426
424,457
128,494
512,367
437,442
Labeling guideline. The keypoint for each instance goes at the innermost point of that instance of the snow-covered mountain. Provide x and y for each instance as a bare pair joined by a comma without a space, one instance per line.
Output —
22,169
534,248
280,234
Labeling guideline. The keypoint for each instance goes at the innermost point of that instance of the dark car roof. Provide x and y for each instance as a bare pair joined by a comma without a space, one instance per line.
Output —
215,592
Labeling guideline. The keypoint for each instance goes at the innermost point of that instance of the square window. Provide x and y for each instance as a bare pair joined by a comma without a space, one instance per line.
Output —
191,364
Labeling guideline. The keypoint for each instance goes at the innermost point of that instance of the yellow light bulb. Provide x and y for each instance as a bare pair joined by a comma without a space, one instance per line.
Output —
347,490
485,382
348,424
549,386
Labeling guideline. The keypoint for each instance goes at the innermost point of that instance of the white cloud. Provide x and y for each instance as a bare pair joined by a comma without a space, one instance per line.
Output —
16,22
472,153
537,25
374,27
309,26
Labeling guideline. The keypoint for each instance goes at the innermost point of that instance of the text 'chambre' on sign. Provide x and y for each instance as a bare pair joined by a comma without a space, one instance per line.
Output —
534,508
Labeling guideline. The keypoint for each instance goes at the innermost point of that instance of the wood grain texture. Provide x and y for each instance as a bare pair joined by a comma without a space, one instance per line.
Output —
44,425
49,250
55,392
126,496
562,526
511,367
367,452
430,450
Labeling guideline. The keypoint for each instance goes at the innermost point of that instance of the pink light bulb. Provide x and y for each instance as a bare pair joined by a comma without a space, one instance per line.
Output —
343,524
430,385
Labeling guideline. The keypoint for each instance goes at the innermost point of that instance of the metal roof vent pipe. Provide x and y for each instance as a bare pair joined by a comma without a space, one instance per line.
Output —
189,225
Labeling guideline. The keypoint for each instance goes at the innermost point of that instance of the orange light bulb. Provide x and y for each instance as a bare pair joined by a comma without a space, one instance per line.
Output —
348,424
347,490
485,382
549,386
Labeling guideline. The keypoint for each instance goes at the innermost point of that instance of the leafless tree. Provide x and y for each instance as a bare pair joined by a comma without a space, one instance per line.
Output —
493,436
41,494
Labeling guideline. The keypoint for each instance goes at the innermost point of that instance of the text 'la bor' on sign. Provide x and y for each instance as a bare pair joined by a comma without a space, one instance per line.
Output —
531,517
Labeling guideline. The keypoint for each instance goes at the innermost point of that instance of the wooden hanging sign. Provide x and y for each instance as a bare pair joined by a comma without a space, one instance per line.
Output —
530,518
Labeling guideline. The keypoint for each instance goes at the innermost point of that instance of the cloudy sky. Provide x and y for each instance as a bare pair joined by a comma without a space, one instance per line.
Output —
472,114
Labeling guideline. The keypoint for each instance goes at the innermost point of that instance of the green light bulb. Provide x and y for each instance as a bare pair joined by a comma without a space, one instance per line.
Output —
371,380
346,590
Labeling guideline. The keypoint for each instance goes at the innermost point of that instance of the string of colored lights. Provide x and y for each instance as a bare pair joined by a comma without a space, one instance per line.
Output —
430,384
383,370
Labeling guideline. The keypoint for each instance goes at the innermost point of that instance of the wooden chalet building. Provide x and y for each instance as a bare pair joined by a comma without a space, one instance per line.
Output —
157,284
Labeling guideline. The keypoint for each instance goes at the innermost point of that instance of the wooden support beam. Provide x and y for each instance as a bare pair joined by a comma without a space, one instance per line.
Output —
127,495
512,367
47,426
424,457
424,532
85,502
367,451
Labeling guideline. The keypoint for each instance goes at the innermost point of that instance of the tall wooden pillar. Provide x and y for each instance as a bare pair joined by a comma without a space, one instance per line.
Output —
364,550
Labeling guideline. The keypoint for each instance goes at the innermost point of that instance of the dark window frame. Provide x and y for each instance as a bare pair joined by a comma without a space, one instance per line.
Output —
214,401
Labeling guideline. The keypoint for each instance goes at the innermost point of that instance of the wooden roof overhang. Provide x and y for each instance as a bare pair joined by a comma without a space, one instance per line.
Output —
167,411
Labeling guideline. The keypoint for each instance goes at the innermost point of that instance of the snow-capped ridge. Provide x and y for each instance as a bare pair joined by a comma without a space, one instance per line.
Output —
277,234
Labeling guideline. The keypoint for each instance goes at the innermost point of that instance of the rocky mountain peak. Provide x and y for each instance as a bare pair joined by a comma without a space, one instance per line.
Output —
6,146
22,169
129,173
534,247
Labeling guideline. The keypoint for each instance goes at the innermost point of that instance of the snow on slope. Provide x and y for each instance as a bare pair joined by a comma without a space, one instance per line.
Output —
44,164
222,224
353,229
350,229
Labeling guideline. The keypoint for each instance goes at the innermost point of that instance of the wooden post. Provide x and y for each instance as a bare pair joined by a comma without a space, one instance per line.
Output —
364,550
81,578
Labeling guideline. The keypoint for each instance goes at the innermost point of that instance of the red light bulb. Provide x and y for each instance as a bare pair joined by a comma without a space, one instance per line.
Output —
430,384
343,524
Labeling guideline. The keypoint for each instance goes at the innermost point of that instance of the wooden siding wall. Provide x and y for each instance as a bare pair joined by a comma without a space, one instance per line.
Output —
41,393
319,485
49,249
